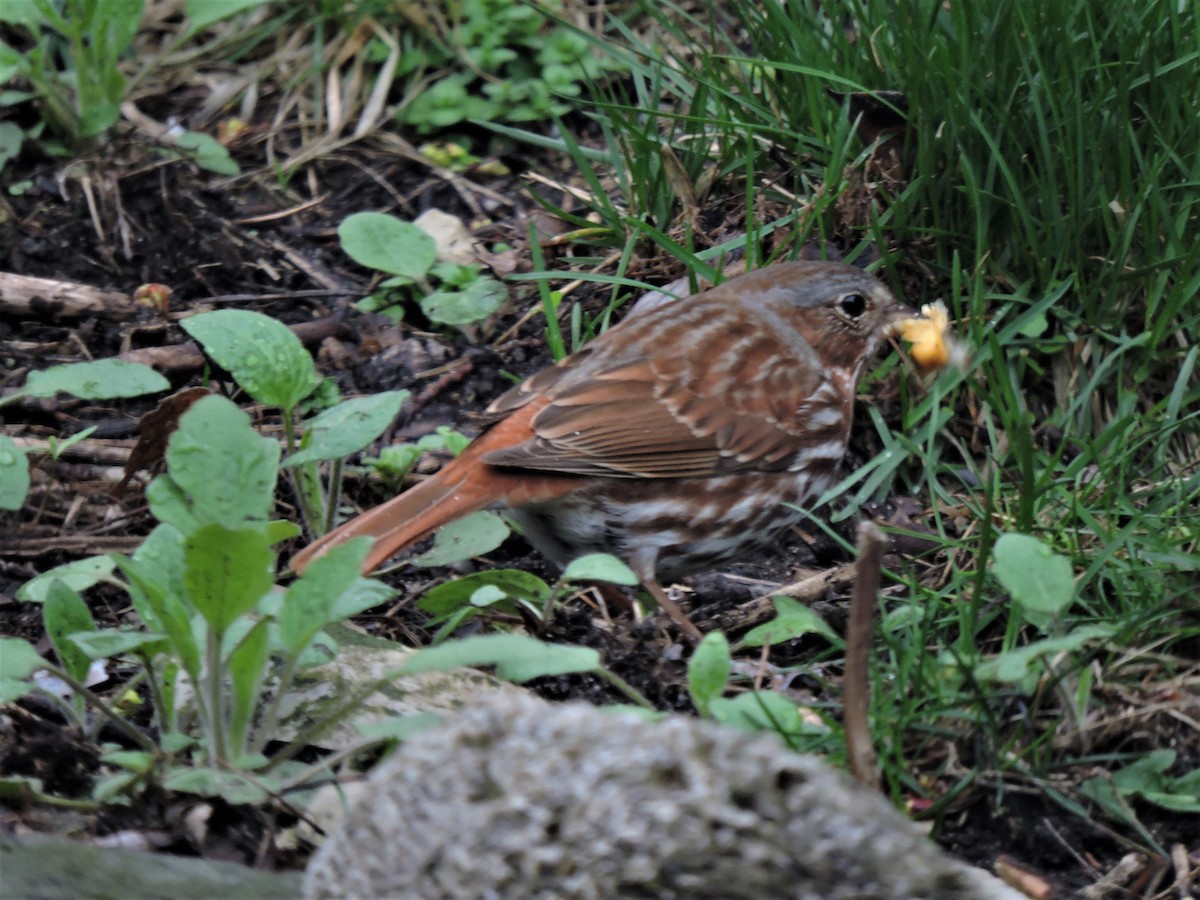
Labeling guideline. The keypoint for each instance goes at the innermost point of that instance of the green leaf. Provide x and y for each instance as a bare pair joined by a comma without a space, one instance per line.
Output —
208,153
65,614
348,427
78,575
162,608
474,535
21,12
708,670
599,567
219,467
308,604
398,728
384,242
364,594
18,659
261,354
1039,579
758,711
11,689
792,620
14,474
1013,665
246,665
203,13
107,790
475,302
227,571
280,530
133,760
516,657
232,787
111,642
519,585
104,379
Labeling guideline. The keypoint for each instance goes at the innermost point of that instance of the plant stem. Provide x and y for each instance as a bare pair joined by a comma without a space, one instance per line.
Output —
335,494
624,687
217,751
270,719
103,708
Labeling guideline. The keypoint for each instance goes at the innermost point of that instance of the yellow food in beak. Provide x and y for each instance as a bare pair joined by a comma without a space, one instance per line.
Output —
932,347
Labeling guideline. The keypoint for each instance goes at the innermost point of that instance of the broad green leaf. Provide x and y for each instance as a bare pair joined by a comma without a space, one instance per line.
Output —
1013,665
111,642
599,567
758,711
280,530
1039,579
18,659
708,670
364,594
121,20
162,608
227,570
221,468
20,12
398,728
261,354
105,789
133,760
475,302
792,620
11,689
203,13
65,615
474,535
246,665
488,595
12,63
104,379
450,596
161,558
78,575
308,604
348,427
170,505
229,786
14,474
516,657
208,153
383,242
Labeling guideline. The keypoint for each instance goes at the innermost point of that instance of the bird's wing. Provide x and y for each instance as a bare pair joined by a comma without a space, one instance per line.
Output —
734,404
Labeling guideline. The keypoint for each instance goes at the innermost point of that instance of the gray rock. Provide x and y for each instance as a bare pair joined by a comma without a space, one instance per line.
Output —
524,799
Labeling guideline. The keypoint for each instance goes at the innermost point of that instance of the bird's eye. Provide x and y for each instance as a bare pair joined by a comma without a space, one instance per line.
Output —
853,305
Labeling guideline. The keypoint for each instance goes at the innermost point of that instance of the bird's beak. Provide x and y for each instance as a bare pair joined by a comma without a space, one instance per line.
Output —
894,315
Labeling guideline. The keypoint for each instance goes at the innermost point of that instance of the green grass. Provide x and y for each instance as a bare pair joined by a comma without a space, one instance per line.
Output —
1051,198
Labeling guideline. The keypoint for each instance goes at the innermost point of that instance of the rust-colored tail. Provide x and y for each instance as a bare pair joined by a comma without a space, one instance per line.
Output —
405,519
466,484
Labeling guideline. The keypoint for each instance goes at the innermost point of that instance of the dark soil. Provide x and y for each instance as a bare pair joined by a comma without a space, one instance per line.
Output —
169,223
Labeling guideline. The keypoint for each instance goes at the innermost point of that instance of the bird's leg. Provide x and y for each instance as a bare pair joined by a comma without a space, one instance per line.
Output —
672,609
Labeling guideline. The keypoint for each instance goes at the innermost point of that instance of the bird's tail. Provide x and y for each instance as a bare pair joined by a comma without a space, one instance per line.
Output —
464,486
404,519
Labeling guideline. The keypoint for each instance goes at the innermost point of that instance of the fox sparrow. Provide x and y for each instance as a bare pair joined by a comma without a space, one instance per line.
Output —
674,439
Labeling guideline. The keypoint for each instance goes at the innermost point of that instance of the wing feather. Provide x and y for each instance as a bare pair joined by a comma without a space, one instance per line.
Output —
730,399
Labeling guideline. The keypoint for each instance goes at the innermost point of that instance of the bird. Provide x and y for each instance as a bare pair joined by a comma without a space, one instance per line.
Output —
677,440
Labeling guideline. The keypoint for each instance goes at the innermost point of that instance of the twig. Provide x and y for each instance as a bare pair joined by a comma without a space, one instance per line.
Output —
46,298
807,590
